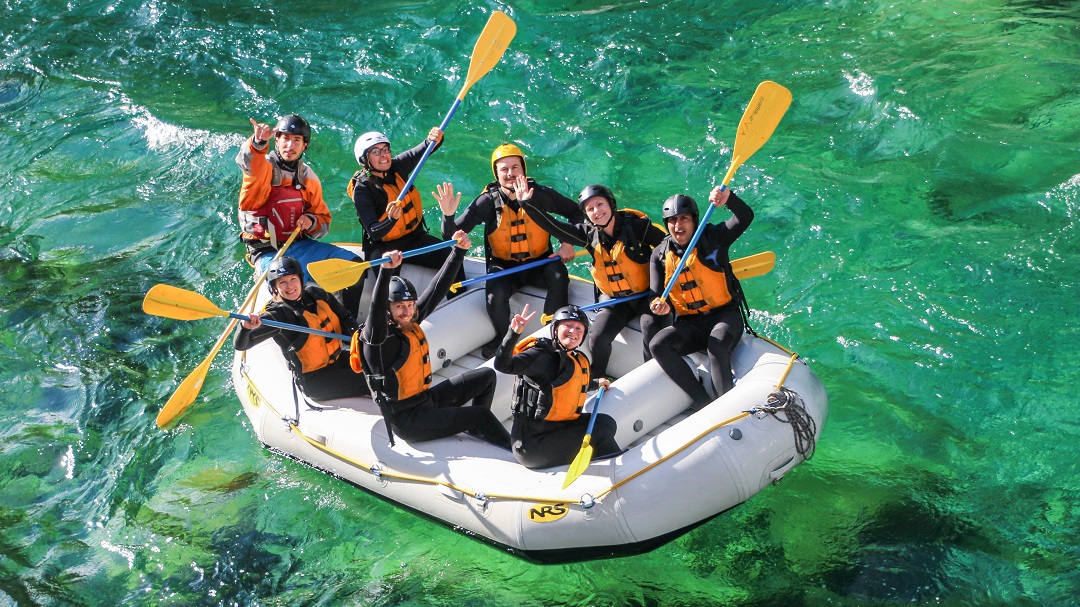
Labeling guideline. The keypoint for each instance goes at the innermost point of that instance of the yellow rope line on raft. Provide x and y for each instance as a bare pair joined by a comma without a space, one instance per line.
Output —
531,499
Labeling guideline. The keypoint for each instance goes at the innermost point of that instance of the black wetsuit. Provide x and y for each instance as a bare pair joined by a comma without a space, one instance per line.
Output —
541,443
610,320
336,380
717,331
371,200
437,411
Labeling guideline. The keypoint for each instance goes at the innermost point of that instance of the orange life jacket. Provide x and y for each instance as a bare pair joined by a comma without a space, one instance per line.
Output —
517,237
318,351
699,288
414,372
623,270
412,209
562,399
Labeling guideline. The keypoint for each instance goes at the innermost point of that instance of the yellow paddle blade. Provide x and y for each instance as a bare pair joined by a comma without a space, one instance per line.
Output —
489,48
189,388
754,265
766,108
580,463
179,304
337,274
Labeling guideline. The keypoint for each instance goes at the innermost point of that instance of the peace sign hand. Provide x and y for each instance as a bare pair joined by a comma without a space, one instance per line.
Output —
518,322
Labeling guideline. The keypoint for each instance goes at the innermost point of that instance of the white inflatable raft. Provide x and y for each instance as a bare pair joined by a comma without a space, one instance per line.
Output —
680,468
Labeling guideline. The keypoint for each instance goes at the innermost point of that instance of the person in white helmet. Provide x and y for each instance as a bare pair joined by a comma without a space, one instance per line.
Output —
390,226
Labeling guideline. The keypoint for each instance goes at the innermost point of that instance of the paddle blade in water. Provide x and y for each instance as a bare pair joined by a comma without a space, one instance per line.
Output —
493,41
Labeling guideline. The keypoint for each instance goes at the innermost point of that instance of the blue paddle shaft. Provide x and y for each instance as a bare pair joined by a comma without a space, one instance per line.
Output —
414,252
612,302
595,408
689,249
297,328
501,273
427,152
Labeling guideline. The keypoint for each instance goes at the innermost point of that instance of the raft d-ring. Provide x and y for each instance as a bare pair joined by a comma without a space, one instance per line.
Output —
483,502
377,472
587,501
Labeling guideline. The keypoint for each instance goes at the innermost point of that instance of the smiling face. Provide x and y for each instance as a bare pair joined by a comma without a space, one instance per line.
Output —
379,157
507,170
570,333
598,210
289,287
681,228
289,146
402,312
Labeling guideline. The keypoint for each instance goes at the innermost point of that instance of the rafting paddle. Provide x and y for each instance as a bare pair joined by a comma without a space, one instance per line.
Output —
744,267
514,270
581,462
181,304
188,389
764,112
487,52
337,274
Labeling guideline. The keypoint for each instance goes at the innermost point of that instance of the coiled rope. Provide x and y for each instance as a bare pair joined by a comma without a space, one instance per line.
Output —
786,406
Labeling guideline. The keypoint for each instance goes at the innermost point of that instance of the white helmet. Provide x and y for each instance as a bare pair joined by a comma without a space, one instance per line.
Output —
365,142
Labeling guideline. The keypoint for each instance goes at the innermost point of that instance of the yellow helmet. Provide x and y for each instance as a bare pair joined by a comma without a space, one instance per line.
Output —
504,150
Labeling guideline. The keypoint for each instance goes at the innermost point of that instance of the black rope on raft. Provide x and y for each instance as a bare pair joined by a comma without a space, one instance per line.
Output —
790,404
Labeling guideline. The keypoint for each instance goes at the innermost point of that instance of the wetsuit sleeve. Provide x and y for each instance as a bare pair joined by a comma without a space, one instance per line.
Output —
576,235
440,285
249,338
257,173
408,159
555,203
741,217
375,329
657,278
368,199
535,363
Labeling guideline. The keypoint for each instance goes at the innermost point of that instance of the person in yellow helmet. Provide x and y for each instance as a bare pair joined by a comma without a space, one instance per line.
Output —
511,237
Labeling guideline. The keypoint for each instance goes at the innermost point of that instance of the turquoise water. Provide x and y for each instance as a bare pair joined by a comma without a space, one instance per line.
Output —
922,195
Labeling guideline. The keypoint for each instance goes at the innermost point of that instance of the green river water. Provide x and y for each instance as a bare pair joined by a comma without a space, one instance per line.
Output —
922,195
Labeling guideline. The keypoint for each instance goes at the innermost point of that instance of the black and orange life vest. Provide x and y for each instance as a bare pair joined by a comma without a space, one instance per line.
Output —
309,352
516,237
624,270
699,288
564,397
412,210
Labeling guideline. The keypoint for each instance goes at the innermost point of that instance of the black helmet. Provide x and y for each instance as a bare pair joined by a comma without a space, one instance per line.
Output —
569,313
401,290
280,268
680,204
294,125
596,190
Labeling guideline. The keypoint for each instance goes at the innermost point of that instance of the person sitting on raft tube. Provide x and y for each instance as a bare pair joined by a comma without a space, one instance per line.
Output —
390,227
281,194
706,299
553,379
398,366
318,366
620,242
512,238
